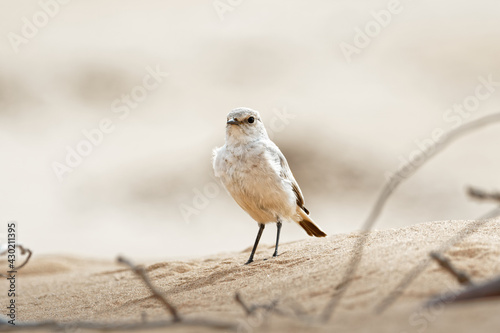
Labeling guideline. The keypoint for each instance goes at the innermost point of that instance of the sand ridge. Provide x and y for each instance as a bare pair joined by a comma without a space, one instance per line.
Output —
303,277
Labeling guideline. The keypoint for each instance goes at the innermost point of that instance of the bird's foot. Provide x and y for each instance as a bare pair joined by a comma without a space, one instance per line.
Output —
249,261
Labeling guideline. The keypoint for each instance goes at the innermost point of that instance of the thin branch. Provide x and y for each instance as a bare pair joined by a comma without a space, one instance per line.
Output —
23,252
417,270
486,289
483,195
156,293
409,168
292,312
238,299
396,179
126,326
249,310
132,326
461,276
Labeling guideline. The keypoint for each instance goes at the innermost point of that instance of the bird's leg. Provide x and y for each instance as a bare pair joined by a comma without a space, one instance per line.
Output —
261,229
278,224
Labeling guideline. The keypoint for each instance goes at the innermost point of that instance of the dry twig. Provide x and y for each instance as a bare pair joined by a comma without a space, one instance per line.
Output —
156,293
461,276
417,270
249,310
128,326
23,252
486,289
397,178
483,195
294,312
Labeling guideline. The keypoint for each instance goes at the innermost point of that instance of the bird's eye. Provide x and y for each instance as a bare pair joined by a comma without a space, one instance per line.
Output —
251,120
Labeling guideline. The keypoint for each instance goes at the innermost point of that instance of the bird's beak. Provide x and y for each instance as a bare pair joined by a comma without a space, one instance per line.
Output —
233,122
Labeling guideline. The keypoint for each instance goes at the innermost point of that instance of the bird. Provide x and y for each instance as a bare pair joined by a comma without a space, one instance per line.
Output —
254,171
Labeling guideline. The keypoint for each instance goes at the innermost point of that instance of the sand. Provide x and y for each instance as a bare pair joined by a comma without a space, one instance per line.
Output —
302,279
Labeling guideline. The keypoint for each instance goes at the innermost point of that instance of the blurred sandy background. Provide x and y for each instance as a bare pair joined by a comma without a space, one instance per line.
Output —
350,123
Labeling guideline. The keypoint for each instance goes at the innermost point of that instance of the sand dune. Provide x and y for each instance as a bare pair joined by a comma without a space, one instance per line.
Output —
303,277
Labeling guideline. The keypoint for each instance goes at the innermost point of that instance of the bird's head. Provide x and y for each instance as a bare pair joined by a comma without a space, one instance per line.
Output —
244,125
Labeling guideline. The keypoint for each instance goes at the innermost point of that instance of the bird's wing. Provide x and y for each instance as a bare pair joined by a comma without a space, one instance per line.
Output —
216,160
286,174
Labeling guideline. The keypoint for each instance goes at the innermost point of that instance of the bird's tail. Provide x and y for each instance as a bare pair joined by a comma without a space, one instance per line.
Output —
309,226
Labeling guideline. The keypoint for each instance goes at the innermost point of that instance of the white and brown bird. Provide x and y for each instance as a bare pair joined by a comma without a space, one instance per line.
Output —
256,174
